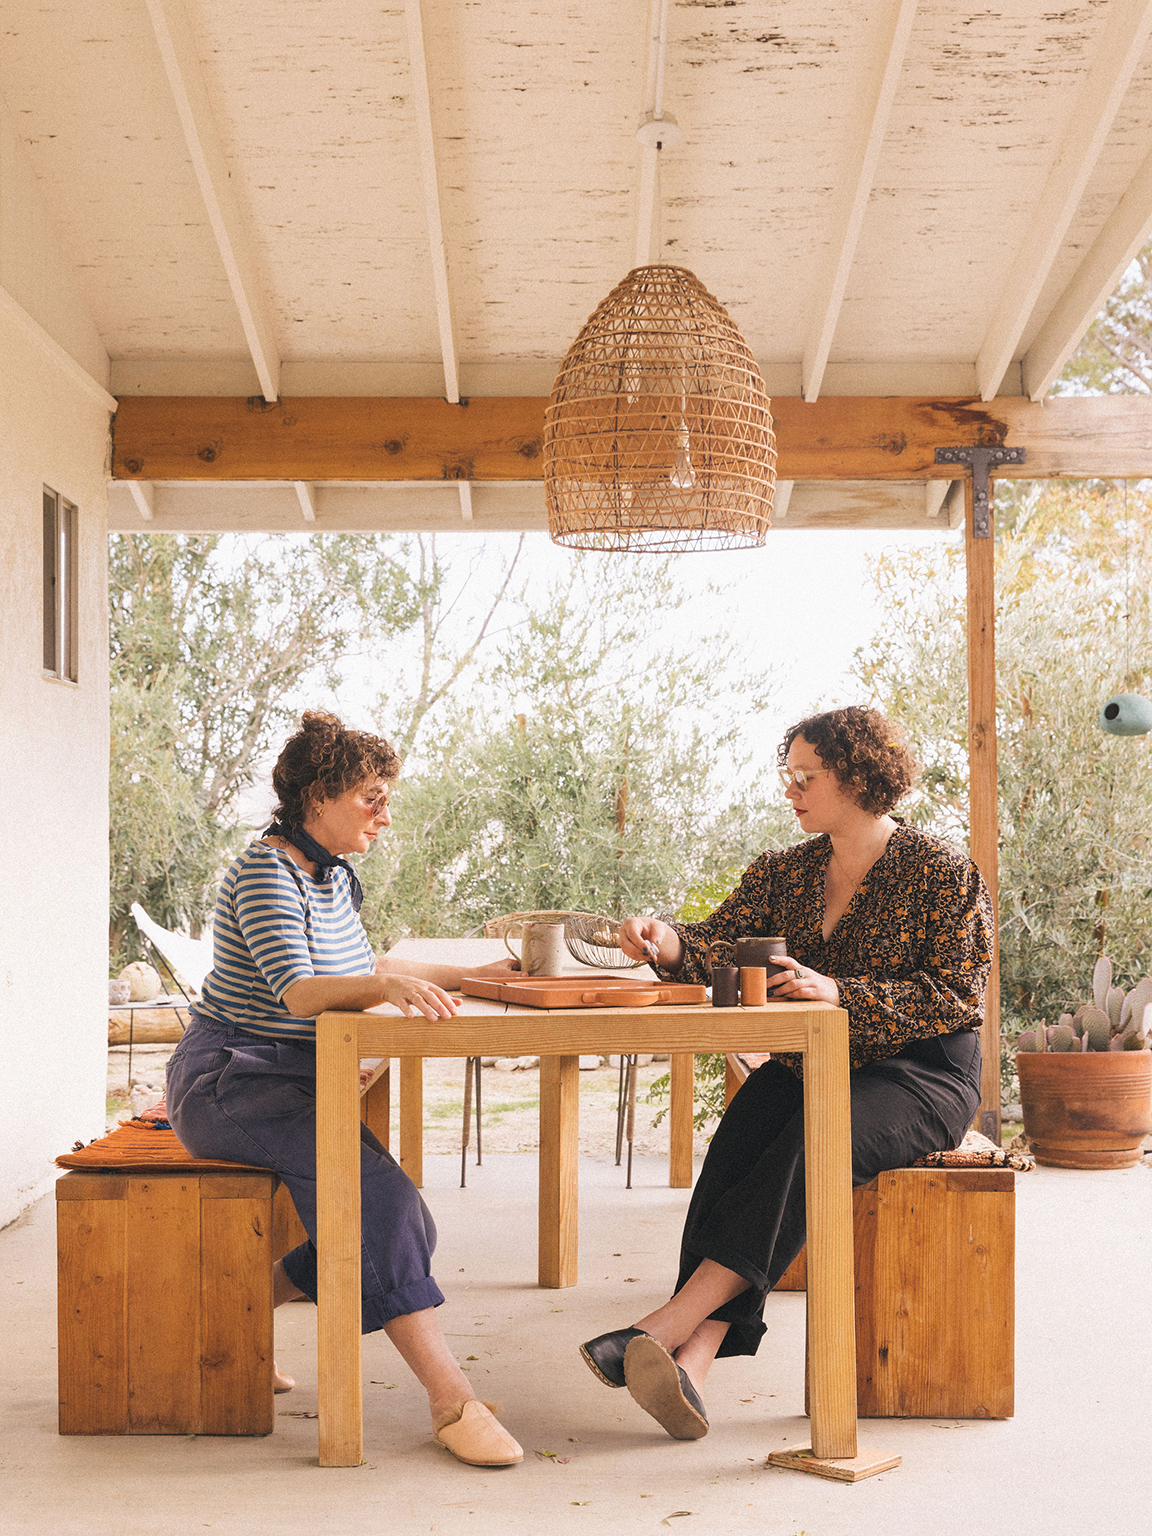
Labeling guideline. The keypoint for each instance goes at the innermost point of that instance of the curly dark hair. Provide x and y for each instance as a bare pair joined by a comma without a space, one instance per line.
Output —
323,760
864,749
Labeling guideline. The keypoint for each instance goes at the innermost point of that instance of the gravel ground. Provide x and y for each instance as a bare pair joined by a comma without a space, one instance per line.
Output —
510,1103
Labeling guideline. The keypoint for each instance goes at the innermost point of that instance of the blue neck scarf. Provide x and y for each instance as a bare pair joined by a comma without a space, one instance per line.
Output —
325,862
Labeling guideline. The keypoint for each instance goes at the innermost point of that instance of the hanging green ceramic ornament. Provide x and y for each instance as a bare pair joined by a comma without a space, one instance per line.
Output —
1126,714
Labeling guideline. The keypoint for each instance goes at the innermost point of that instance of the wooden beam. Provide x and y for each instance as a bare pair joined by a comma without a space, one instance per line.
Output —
1090,118
856,184
983,793
332,438
182,66
1123,235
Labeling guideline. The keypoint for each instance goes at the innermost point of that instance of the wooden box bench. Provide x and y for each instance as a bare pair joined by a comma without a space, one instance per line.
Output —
165,1302
164,1266
935,1252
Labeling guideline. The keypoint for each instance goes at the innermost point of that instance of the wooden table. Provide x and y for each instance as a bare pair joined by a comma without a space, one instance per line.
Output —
478,952
560,1038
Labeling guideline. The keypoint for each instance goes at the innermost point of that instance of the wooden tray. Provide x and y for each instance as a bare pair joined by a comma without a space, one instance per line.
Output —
582,992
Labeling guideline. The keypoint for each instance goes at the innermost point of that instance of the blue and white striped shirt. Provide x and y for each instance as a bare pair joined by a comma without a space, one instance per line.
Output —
275,925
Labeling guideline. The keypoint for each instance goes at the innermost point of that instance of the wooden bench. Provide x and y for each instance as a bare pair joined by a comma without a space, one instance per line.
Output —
935,1291
164,1270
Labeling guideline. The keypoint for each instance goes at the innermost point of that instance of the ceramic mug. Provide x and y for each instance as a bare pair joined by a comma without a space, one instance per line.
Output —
542,947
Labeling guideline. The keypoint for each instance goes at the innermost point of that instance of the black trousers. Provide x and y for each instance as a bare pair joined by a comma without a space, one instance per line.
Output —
748,1208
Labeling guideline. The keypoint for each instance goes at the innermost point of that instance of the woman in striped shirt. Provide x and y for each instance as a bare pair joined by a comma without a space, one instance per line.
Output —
288,944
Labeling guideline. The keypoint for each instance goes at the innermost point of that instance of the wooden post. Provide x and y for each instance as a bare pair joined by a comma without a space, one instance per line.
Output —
559,1150
338,1241
412,1118
682,1086
983,802
828,1188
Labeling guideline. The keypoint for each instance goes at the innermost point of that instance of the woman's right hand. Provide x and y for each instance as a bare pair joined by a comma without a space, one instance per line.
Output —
412,995
647,938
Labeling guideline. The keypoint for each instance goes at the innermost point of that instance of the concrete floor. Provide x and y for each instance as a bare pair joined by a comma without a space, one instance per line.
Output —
1076,1459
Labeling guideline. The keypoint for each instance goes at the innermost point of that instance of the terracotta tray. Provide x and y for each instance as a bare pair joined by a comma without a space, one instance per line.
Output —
582,992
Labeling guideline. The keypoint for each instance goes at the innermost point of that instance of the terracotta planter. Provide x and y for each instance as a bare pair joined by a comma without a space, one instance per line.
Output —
1086,1110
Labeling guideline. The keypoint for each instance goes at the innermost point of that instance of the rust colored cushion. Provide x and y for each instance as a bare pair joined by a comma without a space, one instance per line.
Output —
140,1148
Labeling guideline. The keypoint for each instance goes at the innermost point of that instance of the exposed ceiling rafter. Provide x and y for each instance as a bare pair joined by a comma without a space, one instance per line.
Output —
306,496
1093,113
438,257
852,204
60,355
182,66
1125,233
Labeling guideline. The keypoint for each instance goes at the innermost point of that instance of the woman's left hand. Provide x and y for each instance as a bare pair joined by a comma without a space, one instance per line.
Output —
800,983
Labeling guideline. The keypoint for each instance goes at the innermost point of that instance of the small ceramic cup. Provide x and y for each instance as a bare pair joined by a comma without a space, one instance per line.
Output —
725,986
753,985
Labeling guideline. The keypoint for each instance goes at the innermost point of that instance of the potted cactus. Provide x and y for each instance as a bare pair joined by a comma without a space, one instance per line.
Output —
1086,1081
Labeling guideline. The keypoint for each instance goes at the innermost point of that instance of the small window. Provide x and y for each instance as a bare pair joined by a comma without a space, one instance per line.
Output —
59,587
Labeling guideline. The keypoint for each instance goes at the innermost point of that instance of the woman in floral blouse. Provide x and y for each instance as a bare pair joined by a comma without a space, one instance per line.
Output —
886,922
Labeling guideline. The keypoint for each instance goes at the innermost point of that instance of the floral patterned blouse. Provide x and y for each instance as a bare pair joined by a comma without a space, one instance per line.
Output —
911,954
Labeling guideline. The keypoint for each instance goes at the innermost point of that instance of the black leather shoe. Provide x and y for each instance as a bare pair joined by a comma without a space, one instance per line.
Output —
662,1388
604,1356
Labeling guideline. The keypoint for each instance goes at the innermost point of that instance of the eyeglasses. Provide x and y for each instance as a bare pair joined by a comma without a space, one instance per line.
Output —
799,776
376,799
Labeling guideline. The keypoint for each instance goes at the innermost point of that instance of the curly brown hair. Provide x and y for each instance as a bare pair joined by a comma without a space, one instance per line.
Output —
323,760
864,749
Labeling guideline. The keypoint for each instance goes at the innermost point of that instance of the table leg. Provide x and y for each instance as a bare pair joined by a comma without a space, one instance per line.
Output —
412,1118
559,1150
828,1187
680,1112
338,1242
376,1104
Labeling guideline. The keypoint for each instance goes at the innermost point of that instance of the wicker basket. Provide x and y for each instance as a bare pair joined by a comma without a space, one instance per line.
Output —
658,434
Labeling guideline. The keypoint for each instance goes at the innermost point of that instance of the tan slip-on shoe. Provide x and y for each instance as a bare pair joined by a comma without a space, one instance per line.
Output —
473,1433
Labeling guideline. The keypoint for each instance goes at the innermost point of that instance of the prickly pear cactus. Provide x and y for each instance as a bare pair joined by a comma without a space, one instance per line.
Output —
1136,1001
1113,1005
1026,1041
1063,1038
1101,981
1097,1029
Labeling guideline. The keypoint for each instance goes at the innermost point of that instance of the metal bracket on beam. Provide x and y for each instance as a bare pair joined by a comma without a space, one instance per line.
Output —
981,457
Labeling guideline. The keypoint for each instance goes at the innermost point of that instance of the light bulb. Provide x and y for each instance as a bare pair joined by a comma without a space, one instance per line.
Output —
683,476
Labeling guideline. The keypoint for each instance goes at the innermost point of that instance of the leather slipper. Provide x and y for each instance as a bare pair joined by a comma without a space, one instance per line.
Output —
604,1355
662,1388
474,1435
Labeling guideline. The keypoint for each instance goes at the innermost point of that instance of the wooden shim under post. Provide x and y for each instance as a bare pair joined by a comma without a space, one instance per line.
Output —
983,803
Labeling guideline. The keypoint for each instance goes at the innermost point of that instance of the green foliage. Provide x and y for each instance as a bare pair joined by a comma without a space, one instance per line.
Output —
578,773
1074,565
212,640
1115,356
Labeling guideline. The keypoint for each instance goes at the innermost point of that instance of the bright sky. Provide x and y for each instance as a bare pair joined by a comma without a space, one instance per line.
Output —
804,602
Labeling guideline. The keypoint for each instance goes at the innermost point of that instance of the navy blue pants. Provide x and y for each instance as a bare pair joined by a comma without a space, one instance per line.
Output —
245,1099
748,1208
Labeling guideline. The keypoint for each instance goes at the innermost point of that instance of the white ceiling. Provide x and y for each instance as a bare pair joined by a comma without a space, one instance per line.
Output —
998,127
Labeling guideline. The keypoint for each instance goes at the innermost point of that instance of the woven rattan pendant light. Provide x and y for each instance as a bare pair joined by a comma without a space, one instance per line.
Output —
658,434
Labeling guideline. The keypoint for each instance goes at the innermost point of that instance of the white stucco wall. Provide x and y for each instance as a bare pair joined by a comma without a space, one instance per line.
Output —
54,773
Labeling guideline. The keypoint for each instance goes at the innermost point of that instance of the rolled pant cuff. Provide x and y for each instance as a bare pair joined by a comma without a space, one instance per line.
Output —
739,1264
417,1297
375,1311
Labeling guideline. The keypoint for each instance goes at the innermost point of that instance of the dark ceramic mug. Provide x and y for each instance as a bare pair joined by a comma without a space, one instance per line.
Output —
760,952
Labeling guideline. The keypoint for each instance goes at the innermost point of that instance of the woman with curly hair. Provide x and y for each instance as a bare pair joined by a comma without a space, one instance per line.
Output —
883,921
288,944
